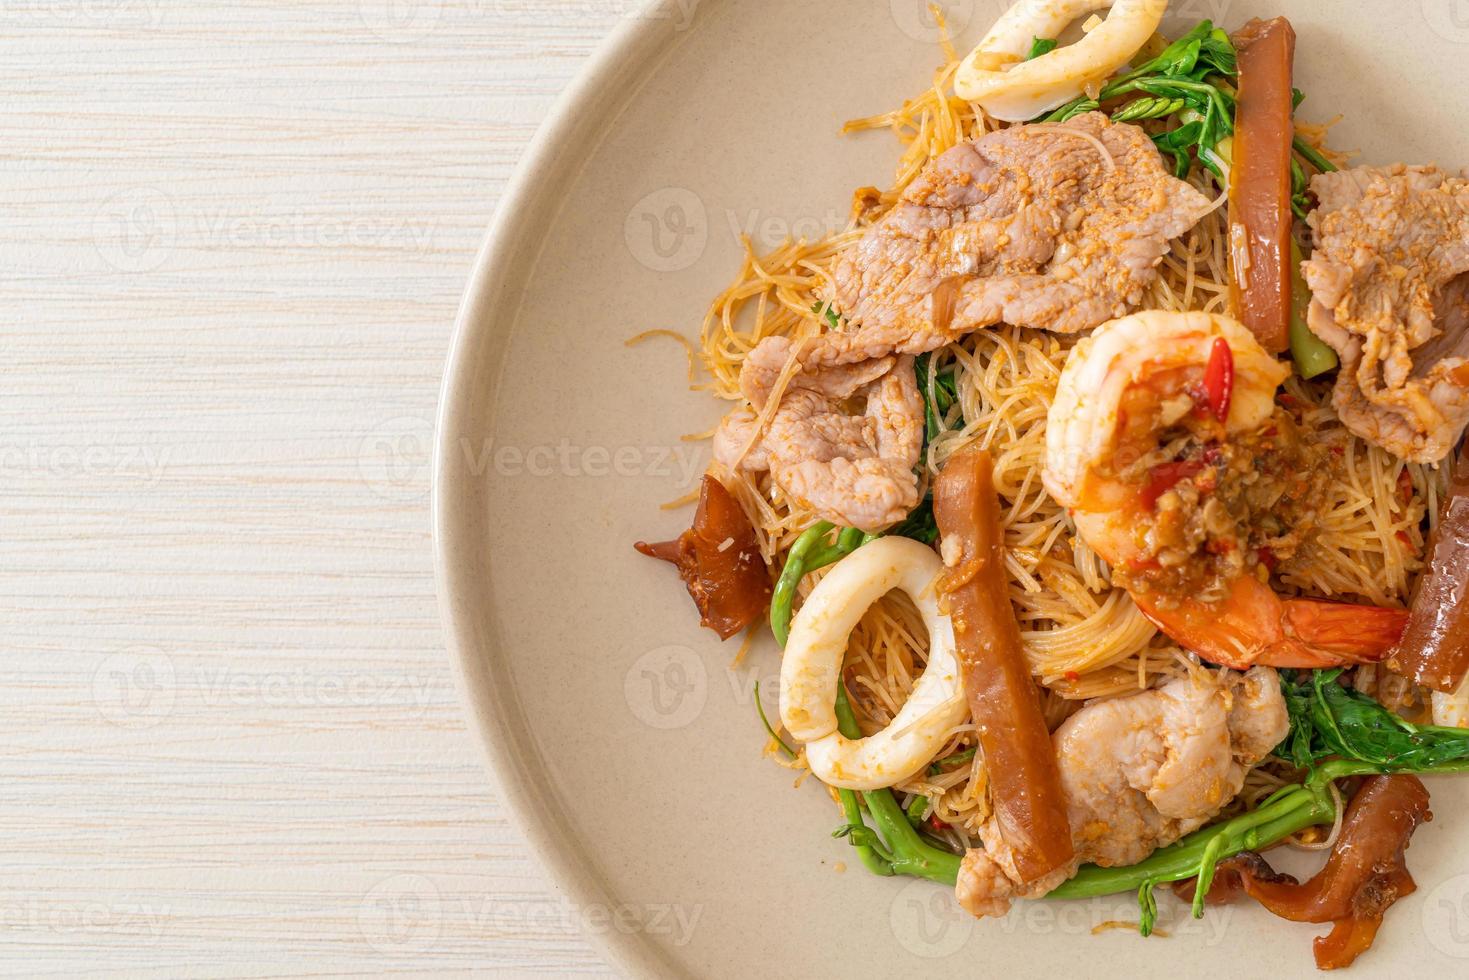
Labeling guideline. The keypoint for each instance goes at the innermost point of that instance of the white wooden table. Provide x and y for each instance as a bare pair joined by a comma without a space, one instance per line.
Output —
232,241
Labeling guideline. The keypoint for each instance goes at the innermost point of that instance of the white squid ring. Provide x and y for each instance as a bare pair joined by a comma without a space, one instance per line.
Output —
809,674
1012,89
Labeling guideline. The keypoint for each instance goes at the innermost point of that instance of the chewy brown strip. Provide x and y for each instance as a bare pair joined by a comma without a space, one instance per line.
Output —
1365,874
1434,650
1260,183
1016,746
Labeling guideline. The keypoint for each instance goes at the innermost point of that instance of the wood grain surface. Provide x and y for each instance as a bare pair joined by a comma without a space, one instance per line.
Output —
234,239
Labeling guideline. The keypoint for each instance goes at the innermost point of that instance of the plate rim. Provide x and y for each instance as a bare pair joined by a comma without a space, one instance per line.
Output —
489,304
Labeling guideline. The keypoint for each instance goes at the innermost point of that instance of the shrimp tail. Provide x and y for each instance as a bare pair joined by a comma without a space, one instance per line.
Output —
1361,634
1256,627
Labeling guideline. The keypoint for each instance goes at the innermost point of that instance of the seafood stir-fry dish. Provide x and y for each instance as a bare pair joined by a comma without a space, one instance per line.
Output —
1101,486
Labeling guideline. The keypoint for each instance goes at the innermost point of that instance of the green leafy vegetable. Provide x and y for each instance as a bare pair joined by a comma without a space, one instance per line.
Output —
1154,108
1189,80
1300,189
1148,904
918,525
1202,51
940,393
1329,720
1313,156
798,563
832,318
1312,355
1300,201
949,761
1078,108
1040,46
769,729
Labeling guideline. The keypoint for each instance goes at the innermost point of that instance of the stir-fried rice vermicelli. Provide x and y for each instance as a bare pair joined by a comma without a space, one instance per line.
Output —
1084,638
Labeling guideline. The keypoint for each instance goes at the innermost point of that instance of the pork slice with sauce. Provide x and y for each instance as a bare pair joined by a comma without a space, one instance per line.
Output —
1390,293
1058,226
1139,773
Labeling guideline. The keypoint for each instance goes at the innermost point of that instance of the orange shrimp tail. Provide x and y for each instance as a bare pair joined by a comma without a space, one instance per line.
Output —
1360,633
1255,626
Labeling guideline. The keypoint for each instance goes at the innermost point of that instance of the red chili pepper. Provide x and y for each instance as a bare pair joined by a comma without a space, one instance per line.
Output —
934,823
1219,378
1405,485
1167,476
1072,676
1268,558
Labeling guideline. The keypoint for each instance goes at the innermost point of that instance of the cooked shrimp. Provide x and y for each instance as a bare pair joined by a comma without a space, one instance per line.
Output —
1166,445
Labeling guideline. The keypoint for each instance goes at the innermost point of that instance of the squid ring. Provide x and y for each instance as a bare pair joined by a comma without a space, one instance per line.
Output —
997,76
812,666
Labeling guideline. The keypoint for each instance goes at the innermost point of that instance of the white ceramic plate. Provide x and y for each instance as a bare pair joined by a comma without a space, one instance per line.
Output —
623,739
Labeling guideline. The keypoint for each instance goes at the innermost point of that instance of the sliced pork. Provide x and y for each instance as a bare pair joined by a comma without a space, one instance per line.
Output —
855,470
1390,293
1059,226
